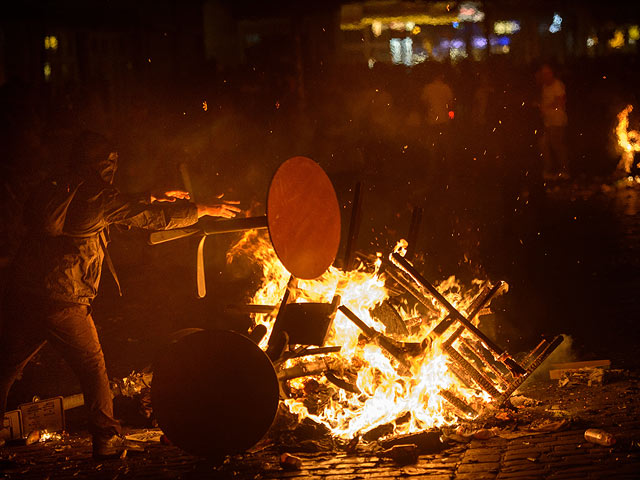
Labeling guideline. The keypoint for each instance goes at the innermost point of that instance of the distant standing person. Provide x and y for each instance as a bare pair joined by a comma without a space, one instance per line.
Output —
553,144
480,106
437,96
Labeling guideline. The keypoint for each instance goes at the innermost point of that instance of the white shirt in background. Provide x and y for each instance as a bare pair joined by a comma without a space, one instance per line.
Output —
552,114
438,98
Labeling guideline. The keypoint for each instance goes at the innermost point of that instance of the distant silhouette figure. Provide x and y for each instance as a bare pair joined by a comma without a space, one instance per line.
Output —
553,144
437,96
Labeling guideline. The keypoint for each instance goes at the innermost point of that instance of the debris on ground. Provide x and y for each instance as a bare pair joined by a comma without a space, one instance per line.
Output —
290,462
558,370
147,436
551,429
599,437
401,454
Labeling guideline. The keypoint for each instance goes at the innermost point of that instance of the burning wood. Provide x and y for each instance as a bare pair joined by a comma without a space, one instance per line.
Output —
430,376
370,375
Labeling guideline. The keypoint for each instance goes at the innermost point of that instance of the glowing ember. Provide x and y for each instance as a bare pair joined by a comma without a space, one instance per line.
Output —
389,393
46,436
628,140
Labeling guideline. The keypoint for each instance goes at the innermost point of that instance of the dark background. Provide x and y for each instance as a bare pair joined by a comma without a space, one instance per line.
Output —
281,79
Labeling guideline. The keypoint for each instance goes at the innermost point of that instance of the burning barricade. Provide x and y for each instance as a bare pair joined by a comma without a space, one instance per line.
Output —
385,363
370,352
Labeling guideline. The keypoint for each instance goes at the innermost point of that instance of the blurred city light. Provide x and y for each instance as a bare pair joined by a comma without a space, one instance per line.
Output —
556,24
479,42
506,27
396,50
376,28
470,12
51,42
47,71
618,39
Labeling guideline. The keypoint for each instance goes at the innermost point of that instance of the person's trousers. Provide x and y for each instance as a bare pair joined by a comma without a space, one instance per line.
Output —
439,159
27,324
553,144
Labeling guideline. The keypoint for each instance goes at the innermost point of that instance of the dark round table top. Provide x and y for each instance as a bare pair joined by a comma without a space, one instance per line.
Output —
214,393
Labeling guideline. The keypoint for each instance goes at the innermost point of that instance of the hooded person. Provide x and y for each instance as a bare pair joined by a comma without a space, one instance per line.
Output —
56,273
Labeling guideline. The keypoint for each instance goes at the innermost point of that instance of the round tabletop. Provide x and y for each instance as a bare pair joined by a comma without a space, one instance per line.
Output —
303,217
214,393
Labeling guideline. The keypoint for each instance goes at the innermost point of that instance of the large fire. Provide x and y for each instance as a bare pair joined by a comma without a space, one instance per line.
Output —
628,140
389,393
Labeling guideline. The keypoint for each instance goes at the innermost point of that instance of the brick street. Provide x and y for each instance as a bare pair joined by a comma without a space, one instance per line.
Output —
526,454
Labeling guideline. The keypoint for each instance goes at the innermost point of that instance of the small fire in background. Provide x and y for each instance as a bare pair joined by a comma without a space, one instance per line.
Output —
42,436
628,140
46,436
383,392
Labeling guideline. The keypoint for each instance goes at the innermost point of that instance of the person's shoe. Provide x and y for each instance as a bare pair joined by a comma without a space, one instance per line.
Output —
108,447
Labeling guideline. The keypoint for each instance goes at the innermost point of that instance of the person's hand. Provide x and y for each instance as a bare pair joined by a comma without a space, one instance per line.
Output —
226,209
170,196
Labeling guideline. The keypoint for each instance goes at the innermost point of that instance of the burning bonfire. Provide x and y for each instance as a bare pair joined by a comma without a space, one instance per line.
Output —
356,349
384,361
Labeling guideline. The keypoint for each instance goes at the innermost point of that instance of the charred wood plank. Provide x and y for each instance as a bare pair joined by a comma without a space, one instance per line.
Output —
375,336
502,355
478,377
462,406
548,350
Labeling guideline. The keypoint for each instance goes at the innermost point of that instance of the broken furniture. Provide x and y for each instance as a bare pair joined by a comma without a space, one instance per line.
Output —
191,368
216,392
303,220
499,374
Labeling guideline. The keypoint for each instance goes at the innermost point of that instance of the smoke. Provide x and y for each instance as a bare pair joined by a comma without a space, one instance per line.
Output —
563,354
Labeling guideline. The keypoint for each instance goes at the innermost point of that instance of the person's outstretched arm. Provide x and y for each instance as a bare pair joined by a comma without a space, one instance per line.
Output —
162,214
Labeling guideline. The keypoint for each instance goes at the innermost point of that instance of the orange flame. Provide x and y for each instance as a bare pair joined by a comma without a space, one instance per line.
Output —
46,436
387,393
628,140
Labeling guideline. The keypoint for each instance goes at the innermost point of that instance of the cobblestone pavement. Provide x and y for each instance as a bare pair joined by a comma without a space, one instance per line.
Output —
560,454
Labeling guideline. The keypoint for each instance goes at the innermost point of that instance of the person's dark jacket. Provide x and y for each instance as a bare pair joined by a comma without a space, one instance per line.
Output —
67,268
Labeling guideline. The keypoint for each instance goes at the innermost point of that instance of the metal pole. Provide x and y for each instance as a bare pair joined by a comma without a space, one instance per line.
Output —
213,227
354,227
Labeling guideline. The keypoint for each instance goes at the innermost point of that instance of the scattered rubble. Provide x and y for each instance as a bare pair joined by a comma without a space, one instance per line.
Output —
290,462
558,370
530,441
